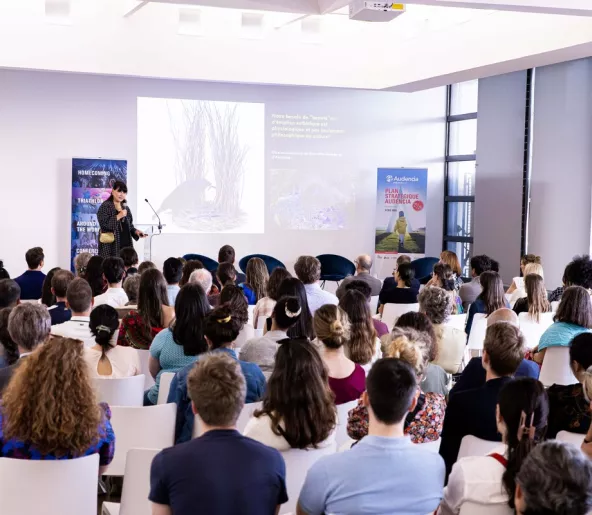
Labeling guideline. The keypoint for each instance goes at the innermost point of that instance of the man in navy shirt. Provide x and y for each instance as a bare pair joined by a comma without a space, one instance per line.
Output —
59,312
221,472
31,282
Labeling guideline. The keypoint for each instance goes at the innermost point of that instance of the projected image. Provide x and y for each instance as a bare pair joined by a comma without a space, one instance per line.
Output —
201,165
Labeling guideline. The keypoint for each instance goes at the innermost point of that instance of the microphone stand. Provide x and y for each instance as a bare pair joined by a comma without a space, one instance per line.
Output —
148,255
158,217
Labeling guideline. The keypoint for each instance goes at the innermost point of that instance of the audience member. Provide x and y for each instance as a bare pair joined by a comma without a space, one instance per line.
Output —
130,261
292,287
474,375
106,359
59,420
180,344
573,317
31,282
443,277
569,404
489,300
28,326
220,472
535,301
234,298
298,411
380,327
577,273
173,272
10,293
363,268
555,478
357,480
308,270
346,378
363,345
518,282
495,266
255,287
79,300
138,328
47,297
450,258
115,296
145,266
9,353
188,268
403,293
95,277
81,263
204,278
390,282
262,351
60,281
265,306
490,481
227,255
530,269
423,423
226,275
221,330
131,286
3,272
437,305
470,291
472,412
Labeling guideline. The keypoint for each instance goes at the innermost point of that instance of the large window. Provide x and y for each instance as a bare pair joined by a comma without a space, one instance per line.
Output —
461,144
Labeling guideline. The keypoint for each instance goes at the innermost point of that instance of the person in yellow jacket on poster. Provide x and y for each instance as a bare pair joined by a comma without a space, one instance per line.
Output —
401,228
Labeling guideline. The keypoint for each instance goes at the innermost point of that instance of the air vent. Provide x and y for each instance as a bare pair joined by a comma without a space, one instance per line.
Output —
58,11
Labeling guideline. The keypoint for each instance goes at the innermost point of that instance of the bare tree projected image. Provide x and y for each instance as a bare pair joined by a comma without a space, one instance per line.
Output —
201,163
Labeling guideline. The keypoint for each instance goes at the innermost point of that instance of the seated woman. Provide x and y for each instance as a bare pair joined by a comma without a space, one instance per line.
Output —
131,288
489,300
9,353
255,287
234,297
265,305
443,277
94,275
346,378
518,282
424,424
188,268
298,410
573,317
536,301
107,359
293,287
47,296
569,407
451,259
61,419
180,344
138,328
403,293
488,481
451,342
519,293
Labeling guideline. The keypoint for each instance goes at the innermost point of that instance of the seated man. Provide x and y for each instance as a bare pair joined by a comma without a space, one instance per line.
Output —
31,282
10,293
130,261
473,376
384,472
172,271
79,300
472,412
220,472
115,296
308,270
59,312
363,267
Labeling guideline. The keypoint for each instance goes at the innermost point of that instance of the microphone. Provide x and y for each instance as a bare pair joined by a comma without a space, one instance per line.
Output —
154,210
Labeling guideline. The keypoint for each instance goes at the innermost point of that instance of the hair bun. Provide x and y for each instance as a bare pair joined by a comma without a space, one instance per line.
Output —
337,330
293,308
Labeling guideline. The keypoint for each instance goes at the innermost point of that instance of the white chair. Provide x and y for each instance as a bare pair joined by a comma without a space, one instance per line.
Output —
247,332
574,438
457,321
473,446
144,356
136,487
554,306
556,367
298,461
148,427
49,487
431,446
392,312
478,330
261,321
373,304
473,508
125,391
251,312
241,423
341,429
533,330
164,387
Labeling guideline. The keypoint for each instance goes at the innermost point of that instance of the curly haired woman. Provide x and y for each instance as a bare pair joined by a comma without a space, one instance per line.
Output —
61,420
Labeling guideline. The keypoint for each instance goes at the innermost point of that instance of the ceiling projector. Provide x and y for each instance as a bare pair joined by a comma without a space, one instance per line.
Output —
367,10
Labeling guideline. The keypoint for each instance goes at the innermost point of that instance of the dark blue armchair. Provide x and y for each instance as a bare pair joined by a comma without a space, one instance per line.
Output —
210,264
335,268
271,262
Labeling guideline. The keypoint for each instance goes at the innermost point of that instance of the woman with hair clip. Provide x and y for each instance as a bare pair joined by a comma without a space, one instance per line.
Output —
490,299
293,287
536,301
486,481
262,351
298,410
255,287
106,359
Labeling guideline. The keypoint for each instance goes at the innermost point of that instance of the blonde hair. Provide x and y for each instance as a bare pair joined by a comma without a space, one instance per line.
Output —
410,346
331,325
534,268
257,277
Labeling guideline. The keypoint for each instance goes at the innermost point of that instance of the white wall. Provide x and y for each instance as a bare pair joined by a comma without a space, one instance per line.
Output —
48,118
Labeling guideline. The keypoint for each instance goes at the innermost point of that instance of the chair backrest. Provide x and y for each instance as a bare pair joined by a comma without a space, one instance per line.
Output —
472,508
335,267
554,306
247,332
341,429
374,304
457,321
125,310
241,423
574,438
478,330
556,367
164,387
424,266
533,330
473,446
148,427
49,487
261,321
432,446
298,461
270,262
144,356
210,264
126,391
392,312
251,310
136,487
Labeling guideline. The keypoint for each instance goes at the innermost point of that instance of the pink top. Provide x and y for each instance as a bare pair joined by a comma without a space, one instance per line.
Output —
349,388
380,327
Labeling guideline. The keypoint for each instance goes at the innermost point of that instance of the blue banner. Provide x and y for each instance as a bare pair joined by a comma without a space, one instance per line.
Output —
92,180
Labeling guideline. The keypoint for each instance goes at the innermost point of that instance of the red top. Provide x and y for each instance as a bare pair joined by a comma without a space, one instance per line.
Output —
349,388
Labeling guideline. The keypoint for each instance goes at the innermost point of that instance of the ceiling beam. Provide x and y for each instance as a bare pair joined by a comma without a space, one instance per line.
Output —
565,7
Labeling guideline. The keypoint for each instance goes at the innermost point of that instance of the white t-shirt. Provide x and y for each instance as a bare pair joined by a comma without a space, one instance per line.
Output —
114,297
77,328
125,362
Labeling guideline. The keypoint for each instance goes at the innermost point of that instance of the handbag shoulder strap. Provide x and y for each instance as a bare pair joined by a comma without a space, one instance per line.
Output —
501,459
